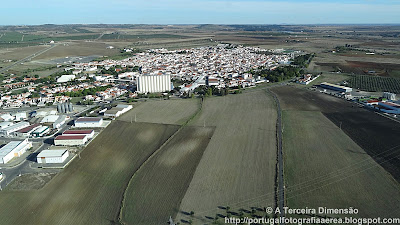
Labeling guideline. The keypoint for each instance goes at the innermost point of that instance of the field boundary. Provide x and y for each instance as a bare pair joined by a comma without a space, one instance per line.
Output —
279,174
122,203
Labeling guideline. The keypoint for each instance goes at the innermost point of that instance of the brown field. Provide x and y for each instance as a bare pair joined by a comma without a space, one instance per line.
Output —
325,168
30,181
157,189
89,190
238,165
163,111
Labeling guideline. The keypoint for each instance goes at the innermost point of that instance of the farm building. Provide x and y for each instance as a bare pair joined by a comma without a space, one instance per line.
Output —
14,149
336,87
154,83
52,156
89,122
88,133
7,131
41,131
27,131
70,140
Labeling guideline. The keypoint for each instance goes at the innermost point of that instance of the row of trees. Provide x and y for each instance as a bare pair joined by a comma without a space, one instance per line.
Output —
81,93
279,74
303,60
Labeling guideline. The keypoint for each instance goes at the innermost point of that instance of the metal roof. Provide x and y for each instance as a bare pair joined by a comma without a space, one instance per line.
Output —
78,132
88,119
5,150
70,137
52,153
29,128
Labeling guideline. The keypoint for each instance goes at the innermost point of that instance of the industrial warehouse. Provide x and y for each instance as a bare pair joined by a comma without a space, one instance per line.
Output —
117,111
70,140
89,122
335,87
88,133
52,156
14,149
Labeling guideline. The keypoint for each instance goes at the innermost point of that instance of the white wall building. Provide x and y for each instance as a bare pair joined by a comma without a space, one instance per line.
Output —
65,78
14,149
153,83
70,140
7,131
89,122
52,156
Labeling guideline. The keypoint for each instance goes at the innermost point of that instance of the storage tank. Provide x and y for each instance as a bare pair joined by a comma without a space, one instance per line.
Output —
62,108
65,107
70,108
59,108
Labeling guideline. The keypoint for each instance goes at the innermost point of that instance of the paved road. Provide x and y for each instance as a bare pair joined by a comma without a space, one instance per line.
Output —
28,58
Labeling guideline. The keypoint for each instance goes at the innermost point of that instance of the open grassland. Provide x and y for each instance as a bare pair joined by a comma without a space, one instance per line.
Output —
238,166
155,192
377,135
90,189
332,78
326,168
163,111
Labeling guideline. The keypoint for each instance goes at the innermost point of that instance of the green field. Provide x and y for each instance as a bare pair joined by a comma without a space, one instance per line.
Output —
156,190
325,168
90,189
163,111
375,83
238,165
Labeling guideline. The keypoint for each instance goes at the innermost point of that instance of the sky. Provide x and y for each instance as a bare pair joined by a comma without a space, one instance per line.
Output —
29,12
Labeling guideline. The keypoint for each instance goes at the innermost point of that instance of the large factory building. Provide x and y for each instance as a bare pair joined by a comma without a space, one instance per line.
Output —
154,83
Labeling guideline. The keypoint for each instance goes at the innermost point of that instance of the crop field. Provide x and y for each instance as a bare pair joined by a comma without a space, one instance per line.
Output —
156,190
78,48
162,111
375,83
326,168
90,189
377,135
238,165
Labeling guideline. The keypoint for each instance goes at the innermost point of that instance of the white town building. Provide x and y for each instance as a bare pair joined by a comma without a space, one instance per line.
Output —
89,122
154,83
14,149
52,156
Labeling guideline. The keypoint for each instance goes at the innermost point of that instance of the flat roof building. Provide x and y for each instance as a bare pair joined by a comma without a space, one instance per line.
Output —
52,156
89,122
